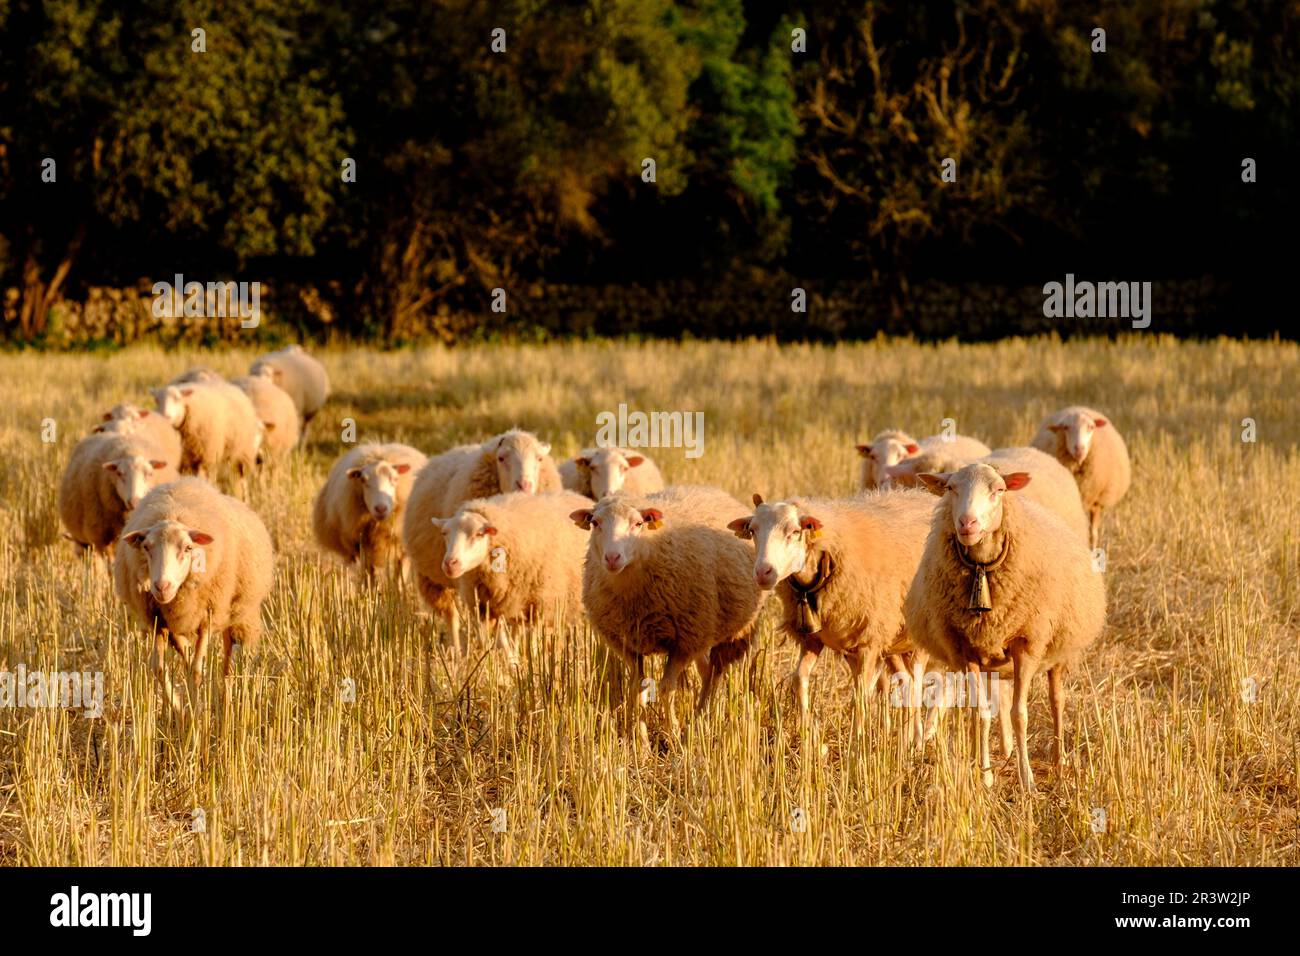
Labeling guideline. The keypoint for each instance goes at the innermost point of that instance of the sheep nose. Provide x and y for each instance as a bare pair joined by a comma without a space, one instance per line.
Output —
968,525
451,566
381,510
524,485
613,561
765,575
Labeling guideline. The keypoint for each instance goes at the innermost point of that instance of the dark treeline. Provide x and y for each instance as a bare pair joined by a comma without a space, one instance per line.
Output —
478,169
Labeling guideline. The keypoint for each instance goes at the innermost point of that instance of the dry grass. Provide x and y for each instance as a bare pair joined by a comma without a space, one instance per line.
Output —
1202,577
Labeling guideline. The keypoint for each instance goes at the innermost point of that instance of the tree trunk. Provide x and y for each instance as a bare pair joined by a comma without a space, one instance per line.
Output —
38,295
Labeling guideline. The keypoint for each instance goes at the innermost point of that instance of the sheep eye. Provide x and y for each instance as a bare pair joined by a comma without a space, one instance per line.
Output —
501,458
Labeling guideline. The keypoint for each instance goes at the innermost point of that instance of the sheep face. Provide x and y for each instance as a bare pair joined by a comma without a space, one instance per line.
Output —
267,370
904,473
378,482
1075,430
133,476
886,451
518,457
173,551
781,538
617,530
973,496
171,402
125,412
608,468
468,537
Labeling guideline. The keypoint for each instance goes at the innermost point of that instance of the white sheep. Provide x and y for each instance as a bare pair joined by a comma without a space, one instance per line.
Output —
359,510
597,472
198,375
1053,488
1091,448
300,375
194,563
663,575
1003,584
218,426
127,419
841,568
107,475
276,413
892,446
512,461
516,558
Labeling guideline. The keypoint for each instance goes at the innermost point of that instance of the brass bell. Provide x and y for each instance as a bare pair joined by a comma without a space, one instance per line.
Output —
980,599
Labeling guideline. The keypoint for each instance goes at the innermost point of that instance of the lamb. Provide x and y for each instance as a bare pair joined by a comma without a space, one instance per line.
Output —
1089,445
127,419
597,472
197,563
302,377
893,446
516,557
275,411
1003,583
359,510
512,461
663,575
108,475
218,426
841,569
1053,488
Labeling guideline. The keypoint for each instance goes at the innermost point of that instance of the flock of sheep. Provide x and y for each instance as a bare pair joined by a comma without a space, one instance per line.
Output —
996,575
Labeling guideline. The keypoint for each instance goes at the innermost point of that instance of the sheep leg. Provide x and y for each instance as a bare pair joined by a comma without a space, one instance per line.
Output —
1004,718
504,643
918,733
807,660
636,698
227,647
158,664
1024,670
677,663
977,700
199,661
708,681
1056,694
1094,527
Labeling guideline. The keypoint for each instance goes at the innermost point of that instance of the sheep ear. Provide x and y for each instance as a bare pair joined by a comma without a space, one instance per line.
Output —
201,537
157,465
354,472
268,425
110,466
912,448
134,538
1056,428
187,392
653,517
439,523
935,484
491,530
582,462
99,429
582,518
634,460
108,417
741,527
140,413
1016,480
758,499
401,469
544,448
1100,422
863,450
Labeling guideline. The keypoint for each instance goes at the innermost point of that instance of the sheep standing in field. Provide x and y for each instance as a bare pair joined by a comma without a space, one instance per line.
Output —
516,558
1089,445
841,569
198,375
892,446
126,419
1003,583
358,512
108,475
218,426
194,563
1052,487
663,575
302,377
275,411
597,472
512,461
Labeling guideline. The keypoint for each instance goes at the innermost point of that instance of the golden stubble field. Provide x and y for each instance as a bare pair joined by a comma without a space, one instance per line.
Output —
1203,578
